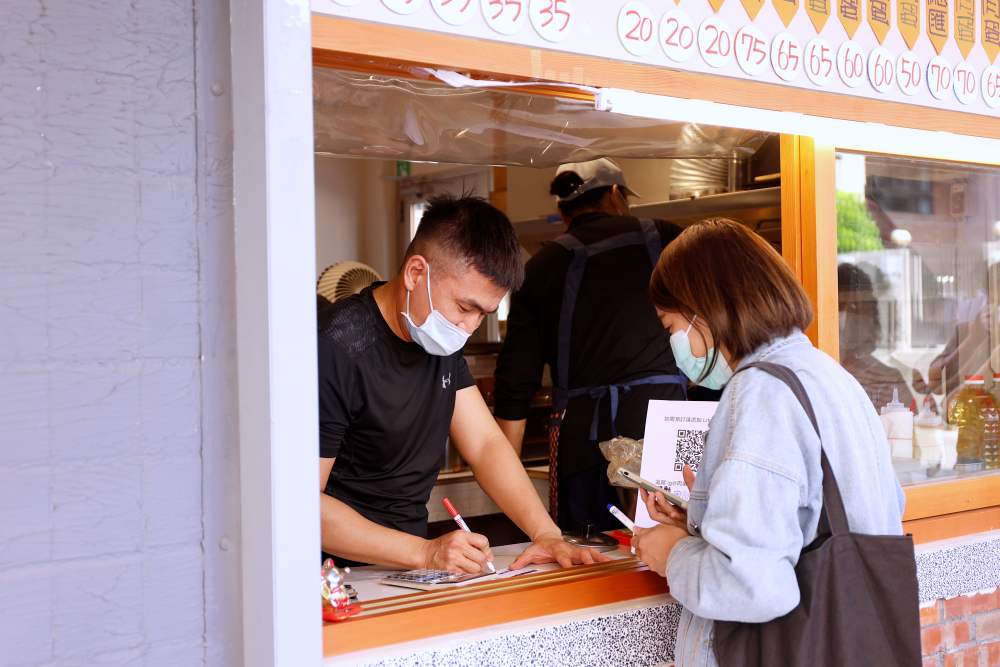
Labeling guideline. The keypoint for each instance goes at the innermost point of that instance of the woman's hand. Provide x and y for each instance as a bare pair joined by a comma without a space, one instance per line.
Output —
661,510
653,545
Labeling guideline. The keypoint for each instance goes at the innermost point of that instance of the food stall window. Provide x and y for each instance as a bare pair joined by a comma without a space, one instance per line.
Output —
918,270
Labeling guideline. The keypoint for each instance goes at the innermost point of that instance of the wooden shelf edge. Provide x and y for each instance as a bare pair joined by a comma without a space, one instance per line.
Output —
948,526
556,597
951,496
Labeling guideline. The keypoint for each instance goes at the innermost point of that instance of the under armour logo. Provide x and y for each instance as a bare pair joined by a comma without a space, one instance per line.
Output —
445,381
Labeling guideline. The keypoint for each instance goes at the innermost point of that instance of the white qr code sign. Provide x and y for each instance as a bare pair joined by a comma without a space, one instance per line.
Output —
675,437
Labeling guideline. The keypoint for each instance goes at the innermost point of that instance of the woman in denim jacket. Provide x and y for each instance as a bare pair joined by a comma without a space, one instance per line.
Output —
728,299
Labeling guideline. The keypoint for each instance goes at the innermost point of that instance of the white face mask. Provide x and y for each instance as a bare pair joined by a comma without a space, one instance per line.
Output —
436,335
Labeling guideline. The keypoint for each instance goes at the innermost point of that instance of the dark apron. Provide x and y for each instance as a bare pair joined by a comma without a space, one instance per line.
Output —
647,236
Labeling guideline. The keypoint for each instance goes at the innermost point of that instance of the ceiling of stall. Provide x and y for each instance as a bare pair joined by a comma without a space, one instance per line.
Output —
374,116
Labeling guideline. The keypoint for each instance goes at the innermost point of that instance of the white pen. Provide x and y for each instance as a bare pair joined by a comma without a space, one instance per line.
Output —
461,524
621,516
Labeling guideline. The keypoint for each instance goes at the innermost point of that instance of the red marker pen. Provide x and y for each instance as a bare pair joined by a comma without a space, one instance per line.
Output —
461,524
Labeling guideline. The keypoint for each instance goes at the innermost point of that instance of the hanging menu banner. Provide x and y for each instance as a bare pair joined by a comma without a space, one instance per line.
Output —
991,29
753,7
786,10
892,61
880,18
908,21
819,13
849,12
937,23
965,25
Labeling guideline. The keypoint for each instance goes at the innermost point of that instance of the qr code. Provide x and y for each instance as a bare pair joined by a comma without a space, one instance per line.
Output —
690,448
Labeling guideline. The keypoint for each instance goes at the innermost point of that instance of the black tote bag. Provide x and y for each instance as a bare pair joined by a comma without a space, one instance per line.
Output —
858,603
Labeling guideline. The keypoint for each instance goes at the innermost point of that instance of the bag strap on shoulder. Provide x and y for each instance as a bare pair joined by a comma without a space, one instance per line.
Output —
833,517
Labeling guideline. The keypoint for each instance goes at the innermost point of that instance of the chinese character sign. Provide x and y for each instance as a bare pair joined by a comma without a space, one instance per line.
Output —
908,20
965,25
819,13
849,12
879,18
991,29
937,23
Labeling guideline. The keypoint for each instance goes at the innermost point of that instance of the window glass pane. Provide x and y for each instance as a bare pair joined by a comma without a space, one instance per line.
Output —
919,305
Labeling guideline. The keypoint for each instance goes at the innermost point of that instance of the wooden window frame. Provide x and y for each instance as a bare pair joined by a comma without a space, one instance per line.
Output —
934,511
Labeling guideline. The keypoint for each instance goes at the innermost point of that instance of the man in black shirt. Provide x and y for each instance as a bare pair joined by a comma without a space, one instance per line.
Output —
584,310
392,390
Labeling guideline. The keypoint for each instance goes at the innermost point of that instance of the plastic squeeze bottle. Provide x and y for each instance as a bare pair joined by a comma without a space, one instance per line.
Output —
897,420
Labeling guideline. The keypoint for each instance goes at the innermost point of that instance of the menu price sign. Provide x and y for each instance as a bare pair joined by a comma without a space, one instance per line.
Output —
950,45
675,436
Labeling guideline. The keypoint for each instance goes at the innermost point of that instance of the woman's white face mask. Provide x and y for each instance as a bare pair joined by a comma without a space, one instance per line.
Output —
694,367
437,335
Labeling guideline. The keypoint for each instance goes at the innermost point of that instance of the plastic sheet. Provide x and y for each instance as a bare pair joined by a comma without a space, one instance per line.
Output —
362,115
622,453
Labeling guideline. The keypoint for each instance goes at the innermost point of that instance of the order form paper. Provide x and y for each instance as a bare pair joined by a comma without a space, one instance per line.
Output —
675,437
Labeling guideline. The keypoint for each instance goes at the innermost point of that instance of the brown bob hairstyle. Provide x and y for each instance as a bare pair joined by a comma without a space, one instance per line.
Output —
734,282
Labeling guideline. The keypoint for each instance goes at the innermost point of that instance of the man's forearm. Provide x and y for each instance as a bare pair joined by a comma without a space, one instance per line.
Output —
501,475
350,535
514,431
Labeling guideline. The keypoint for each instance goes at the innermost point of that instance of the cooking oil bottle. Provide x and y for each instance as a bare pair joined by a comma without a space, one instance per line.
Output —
968,413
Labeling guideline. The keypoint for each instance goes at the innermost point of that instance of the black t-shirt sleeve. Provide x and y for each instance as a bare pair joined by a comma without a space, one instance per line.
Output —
522,360
463,376
337,384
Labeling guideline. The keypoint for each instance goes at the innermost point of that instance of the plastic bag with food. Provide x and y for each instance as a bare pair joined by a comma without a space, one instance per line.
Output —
622,453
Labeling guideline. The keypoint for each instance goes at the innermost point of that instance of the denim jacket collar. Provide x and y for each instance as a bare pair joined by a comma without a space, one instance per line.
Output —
773,346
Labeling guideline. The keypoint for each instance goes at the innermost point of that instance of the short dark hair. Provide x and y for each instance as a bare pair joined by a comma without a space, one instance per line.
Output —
470,231
734,281
566,183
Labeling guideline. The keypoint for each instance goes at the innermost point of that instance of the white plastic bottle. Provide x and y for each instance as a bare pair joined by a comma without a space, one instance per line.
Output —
897,420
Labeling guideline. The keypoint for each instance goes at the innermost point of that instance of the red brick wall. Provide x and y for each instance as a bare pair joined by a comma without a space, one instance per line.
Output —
962,632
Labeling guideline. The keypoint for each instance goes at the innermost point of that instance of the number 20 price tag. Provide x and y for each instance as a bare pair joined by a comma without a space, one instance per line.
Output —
636,28
715,42
751,50
819,61
677,35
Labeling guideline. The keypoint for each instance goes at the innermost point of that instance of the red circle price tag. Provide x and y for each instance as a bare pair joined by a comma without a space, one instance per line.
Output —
403,6
966,83
851,64
551,18
751,50
881,69
636,28
991,86
455,12
786,56
909,73
820,61
939,77
506,17
677,35
715,42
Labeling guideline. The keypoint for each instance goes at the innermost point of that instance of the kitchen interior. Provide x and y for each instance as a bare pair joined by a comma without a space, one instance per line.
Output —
385,143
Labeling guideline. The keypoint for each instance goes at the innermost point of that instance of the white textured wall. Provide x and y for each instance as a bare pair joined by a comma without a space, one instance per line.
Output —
118,461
